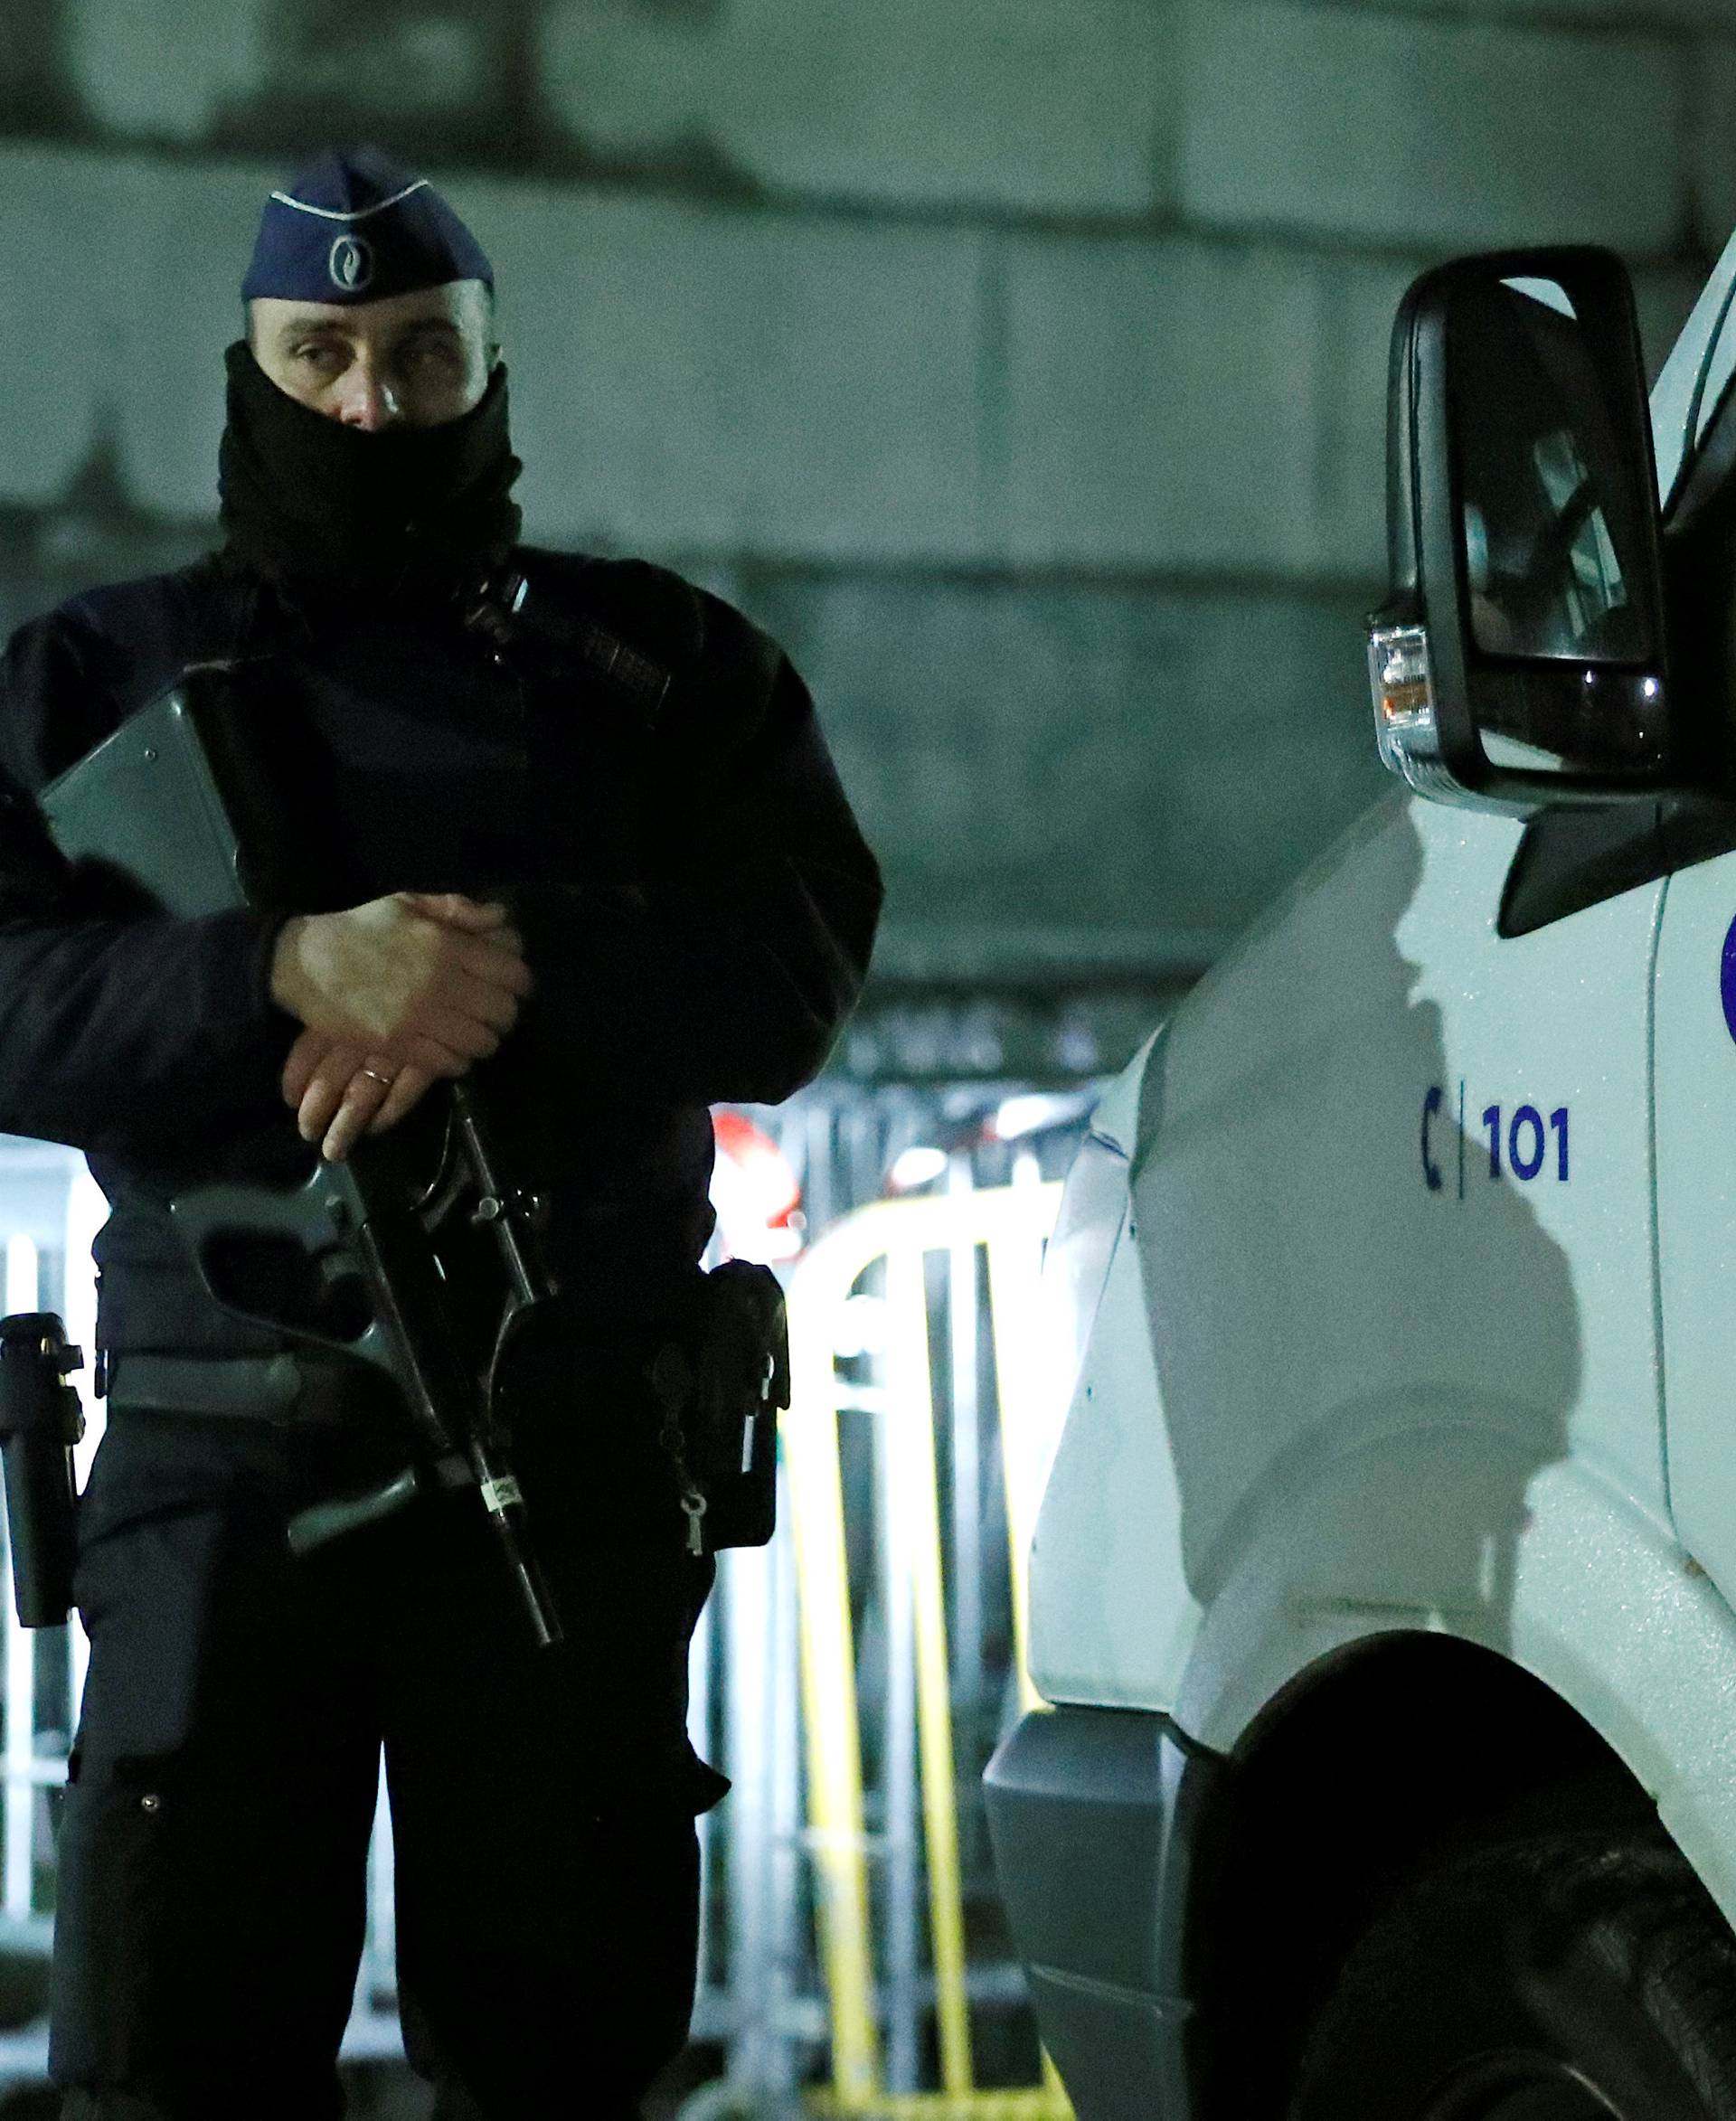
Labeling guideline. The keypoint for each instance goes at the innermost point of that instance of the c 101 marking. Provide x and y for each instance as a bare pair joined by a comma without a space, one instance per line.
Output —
1523,1141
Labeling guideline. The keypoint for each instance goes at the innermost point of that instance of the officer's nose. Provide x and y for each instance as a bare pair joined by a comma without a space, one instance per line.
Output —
367,400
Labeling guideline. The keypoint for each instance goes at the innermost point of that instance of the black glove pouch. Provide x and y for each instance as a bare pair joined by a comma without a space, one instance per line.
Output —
719,1378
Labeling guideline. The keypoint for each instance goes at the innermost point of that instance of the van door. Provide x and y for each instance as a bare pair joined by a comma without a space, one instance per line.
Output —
1695,1129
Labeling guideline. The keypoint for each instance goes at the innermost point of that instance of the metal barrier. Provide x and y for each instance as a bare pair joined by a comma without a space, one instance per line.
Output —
893,1238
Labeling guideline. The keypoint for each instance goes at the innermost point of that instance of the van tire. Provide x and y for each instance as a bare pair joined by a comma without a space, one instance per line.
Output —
1561,1977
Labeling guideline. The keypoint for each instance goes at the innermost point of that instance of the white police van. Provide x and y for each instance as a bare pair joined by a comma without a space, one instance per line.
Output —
1385,1583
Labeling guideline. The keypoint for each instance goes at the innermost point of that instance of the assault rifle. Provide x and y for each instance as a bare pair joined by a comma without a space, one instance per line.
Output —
185,808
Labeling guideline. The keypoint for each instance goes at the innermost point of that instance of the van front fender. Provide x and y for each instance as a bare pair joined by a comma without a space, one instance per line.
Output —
1599,1602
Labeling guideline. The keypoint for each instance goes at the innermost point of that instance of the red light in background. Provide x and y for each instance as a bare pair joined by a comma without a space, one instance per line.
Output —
755,1193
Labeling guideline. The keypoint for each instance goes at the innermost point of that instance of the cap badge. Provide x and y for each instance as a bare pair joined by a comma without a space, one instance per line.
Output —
351,263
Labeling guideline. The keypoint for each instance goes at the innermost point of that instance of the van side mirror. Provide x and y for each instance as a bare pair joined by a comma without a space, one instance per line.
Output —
1520,661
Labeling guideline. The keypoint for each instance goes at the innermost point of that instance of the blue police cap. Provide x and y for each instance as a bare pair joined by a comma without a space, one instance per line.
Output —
355,228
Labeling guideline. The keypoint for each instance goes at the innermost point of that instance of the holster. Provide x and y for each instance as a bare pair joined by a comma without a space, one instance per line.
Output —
720,1376
39,1421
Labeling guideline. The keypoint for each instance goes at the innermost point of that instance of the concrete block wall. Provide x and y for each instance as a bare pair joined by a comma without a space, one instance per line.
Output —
1453,131
1021,362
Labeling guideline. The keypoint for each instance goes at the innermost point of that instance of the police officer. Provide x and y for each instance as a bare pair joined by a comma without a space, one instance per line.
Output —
569,830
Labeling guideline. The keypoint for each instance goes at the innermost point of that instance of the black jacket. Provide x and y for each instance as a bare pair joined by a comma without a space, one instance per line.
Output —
697,903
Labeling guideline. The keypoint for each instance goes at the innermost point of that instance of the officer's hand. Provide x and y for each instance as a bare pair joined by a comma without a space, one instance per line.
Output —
429,979
334,1099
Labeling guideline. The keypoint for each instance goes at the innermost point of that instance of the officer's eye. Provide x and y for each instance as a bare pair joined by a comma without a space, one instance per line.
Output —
432,357
321,356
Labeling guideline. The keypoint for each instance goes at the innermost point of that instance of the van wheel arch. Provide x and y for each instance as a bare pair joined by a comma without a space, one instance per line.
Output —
1366,1767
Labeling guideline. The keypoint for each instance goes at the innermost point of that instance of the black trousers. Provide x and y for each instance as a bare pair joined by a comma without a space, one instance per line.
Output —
212,1849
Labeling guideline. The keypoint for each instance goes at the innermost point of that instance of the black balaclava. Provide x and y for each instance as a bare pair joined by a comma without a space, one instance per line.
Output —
305,498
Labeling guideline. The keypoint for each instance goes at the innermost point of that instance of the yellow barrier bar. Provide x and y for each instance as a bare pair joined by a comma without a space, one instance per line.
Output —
901,1231
831,1735
910,1430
